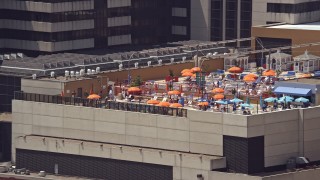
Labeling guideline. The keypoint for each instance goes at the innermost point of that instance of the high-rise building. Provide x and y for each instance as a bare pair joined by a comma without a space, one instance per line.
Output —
62,25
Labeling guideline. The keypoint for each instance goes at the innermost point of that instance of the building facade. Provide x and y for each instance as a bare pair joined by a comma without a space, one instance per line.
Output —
289,11
196,144
52,26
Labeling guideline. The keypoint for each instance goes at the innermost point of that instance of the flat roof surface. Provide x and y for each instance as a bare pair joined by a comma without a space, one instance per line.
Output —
307,26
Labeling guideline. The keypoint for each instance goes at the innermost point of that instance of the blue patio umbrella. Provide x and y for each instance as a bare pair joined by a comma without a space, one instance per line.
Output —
286,97
246,105
236,100
285,100
270,99
224,102
302,99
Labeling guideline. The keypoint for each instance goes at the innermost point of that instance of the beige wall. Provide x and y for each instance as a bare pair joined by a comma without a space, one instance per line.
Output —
160,72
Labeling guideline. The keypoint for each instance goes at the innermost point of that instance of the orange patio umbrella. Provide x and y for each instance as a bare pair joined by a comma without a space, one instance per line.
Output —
93,96
194,75
174,92
187,74
203,104
269,72
306,75
251,75
196,69
235,70
249,79
164,104
134,90
152,101
218,96
218,90
186,70
175,105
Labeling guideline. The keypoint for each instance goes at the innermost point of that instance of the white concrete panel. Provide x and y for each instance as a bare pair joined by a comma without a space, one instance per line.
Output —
312,124
108,127
118,3
255,131
281,138
47,121
234,120
281,127
78,124
110,138
280,149
78,112
160,157
206,127
47,131
206,149
237,131
173,145
21,118
47,109
141,141
201,116
173,123
110,115
171,134
142,131
206,138
22,128
142,119
78,134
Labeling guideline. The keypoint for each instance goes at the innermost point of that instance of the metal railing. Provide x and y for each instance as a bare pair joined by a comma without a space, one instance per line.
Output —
122,106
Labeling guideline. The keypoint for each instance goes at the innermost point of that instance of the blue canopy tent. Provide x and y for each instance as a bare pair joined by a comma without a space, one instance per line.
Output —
293,91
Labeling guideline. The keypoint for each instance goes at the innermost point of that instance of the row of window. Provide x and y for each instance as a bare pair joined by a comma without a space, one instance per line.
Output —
293,8
63,16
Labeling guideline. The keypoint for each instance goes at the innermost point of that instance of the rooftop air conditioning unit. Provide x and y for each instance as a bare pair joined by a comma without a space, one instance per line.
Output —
89,71
160,62
172,60
66,73
184,59
149,63
6,57
136,65
52,75
77,74
20,55
14,56
93,71
82,72
120,67
72,73
34,76
98,69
